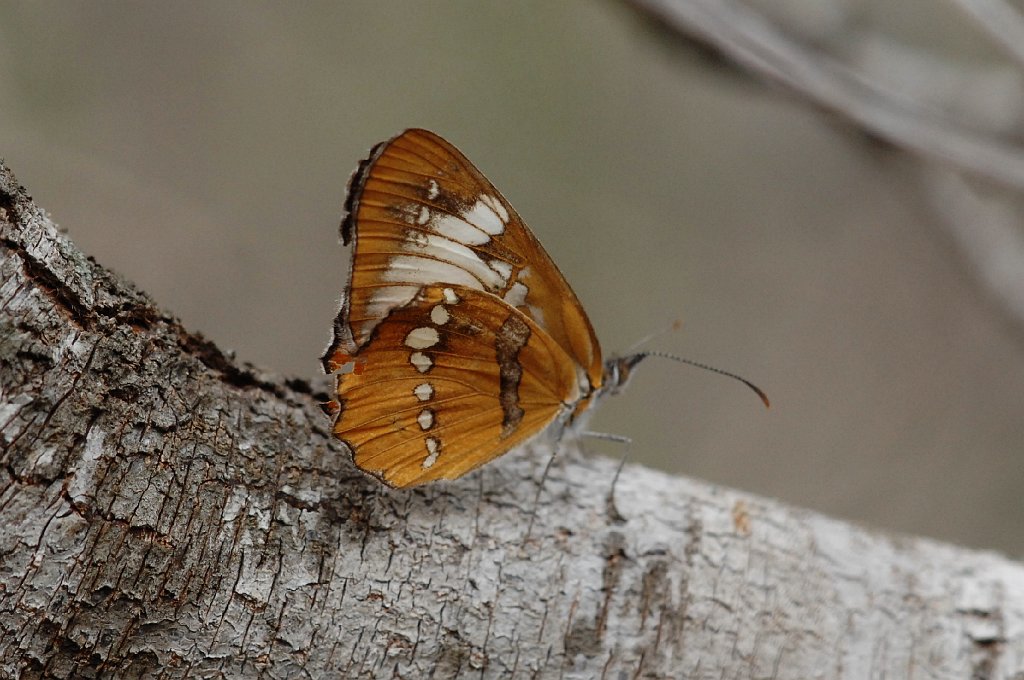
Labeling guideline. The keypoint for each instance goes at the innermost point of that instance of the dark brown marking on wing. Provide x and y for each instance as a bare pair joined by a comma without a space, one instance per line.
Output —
511,338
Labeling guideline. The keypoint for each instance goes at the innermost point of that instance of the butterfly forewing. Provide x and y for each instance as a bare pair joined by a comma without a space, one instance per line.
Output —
419,213
449,381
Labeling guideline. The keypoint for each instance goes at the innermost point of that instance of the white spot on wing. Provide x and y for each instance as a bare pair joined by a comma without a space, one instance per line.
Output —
516,295
439,315
433,449
424,215
483,217
494,204
425,419
423,271
422,337
520,295
503,268
439,254
450,297
536,313
460,230
433,190
424,391
421,361
380,304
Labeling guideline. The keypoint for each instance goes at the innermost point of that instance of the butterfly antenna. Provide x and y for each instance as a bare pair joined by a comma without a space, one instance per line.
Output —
664,355
674,326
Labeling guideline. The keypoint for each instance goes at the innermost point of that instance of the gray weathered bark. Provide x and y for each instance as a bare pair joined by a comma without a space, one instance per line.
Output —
165,509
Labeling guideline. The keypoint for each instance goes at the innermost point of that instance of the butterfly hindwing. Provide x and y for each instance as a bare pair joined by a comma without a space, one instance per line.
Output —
447,382
419,213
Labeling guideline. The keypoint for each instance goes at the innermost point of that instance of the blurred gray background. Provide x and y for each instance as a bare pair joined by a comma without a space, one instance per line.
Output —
202,151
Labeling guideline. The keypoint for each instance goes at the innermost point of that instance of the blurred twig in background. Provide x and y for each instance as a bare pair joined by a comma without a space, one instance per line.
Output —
960,120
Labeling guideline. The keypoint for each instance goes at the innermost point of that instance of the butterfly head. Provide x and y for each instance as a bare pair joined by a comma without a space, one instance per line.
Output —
618,371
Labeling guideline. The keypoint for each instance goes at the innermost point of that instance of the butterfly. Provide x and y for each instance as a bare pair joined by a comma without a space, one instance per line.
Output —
458,338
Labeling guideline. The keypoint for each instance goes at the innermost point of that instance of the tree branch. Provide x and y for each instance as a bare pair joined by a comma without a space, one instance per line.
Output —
165,509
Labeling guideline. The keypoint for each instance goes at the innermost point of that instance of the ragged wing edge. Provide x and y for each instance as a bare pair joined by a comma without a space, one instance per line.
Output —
342,337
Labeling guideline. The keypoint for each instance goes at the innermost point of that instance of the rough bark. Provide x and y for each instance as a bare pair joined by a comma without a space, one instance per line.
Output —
165,510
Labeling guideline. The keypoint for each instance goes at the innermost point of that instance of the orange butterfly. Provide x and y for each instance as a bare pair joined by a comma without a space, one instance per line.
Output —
462,338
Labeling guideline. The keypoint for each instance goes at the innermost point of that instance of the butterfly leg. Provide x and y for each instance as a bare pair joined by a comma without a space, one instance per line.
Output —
540,487
613,511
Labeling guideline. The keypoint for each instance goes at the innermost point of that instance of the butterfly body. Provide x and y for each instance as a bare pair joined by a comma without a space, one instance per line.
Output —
458,338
